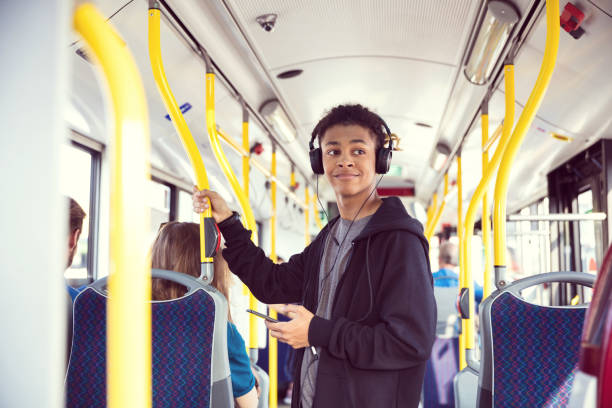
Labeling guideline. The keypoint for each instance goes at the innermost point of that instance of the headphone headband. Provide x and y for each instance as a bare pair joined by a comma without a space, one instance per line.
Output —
383,154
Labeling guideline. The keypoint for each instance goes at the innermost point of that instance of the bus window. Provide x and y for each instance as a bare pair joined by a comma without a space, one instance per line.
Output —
587,233
76,175
185,208
159,203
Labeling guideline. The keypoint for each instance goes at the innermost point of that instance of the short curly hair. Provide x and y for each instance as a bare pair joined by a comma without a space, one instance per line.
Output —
347,115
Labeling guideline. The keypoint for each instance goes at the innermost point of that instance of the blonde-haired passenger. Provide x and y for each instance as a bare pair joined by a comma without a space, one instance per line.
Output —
177,248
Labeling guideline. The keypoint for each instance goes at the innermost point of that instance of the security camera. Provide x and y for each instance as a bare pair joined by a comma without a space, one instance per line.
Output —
267,21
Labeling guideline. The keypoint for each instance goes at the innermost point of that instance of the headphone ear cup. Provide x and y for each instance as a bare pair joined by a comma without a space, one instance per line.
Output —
316,160
383,160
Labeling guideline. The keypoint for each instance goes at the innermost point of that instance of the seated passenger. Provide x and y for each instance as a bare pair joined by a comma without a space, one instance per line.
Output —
75,226
177,248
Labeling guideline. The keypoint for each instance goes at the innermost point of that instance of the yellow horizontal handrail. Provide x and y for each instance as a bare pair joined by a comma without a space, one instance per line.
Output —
245,154
522,125
431,228
129,284
180,125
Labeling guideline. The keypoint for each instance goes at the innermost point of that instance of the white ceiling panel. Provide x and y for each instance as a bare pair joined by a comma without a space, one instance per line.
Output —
308,30
404,88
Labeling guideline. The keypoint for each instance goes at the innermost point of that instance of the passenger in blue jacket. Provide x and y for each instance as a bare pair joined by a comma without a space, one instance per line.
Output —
366,323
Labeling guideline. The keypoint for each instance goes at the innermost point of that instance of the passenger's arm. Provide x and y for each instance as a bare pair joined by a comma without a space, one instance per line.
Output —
248,400
269,282
406,308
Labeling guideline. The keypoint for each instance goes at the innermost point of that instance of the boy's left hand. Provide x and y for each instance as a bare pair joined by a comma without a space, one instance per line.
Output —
295,331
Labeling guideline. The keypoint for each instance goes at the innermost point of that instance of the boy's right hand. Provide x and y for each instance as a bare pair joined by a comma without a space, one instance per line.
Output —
219,208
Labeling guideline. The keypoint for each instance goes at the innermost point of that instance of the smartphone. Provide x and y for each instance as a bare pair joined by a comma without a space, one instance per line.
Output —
268,318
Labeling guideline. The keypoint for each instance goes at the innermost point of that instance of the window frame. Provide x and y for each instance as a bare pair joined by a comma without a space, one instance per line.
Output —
94,149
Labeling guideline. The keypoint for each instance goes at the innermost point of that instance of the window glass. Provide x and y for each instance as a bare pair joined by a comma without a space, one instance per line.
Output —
185,208
587,234
76,168
159,203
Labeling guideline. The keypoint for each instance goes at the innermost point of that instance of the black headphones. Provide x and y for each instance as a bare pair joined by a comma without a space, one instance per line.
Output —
383,154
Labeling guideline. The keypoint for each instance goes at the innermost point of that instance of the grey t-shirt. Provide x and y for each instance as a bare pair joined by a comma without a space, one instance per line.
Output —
336,254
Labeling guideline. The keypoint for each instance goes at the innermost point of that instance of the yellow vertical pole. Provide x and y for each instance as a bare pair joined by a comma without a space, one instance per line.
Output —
486,222
462,343
273,346
128,310
246,168
233,180
306,215
315,213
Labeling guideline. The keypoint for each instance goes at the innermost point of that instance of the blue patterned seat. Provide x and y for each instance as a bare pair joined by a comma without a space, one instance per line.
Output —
529,352
182,335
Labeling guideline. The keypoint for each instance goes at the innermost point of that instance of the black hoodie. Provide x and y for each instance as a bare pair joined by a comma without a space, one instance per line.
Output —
375,346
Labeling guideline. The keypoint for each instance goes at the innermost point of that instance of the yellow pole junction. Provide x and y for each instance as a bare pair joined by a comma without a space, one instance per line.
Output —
128,308
244,152
462,361
436,217
306,216
273,346
486,221
245,206
180,125
522,125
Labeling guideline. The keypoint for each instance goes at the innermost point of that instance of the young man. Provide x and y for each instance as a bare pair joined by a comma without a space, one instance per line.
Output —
368,315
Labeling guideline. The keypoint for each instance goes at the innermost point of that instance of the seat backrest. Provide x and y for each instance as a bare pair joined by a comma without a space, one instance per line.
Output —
189,346
447,325
529,352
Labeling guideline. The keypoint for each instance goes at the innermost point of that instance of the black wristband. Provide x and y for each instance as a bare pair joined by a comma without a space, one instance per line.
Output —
230,220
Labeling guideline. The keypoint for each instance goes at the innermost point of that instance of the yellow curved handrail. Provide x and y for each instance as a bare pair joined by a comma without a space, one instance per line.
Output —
183,131
245,206
522,125
483,185
129,284
431,228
